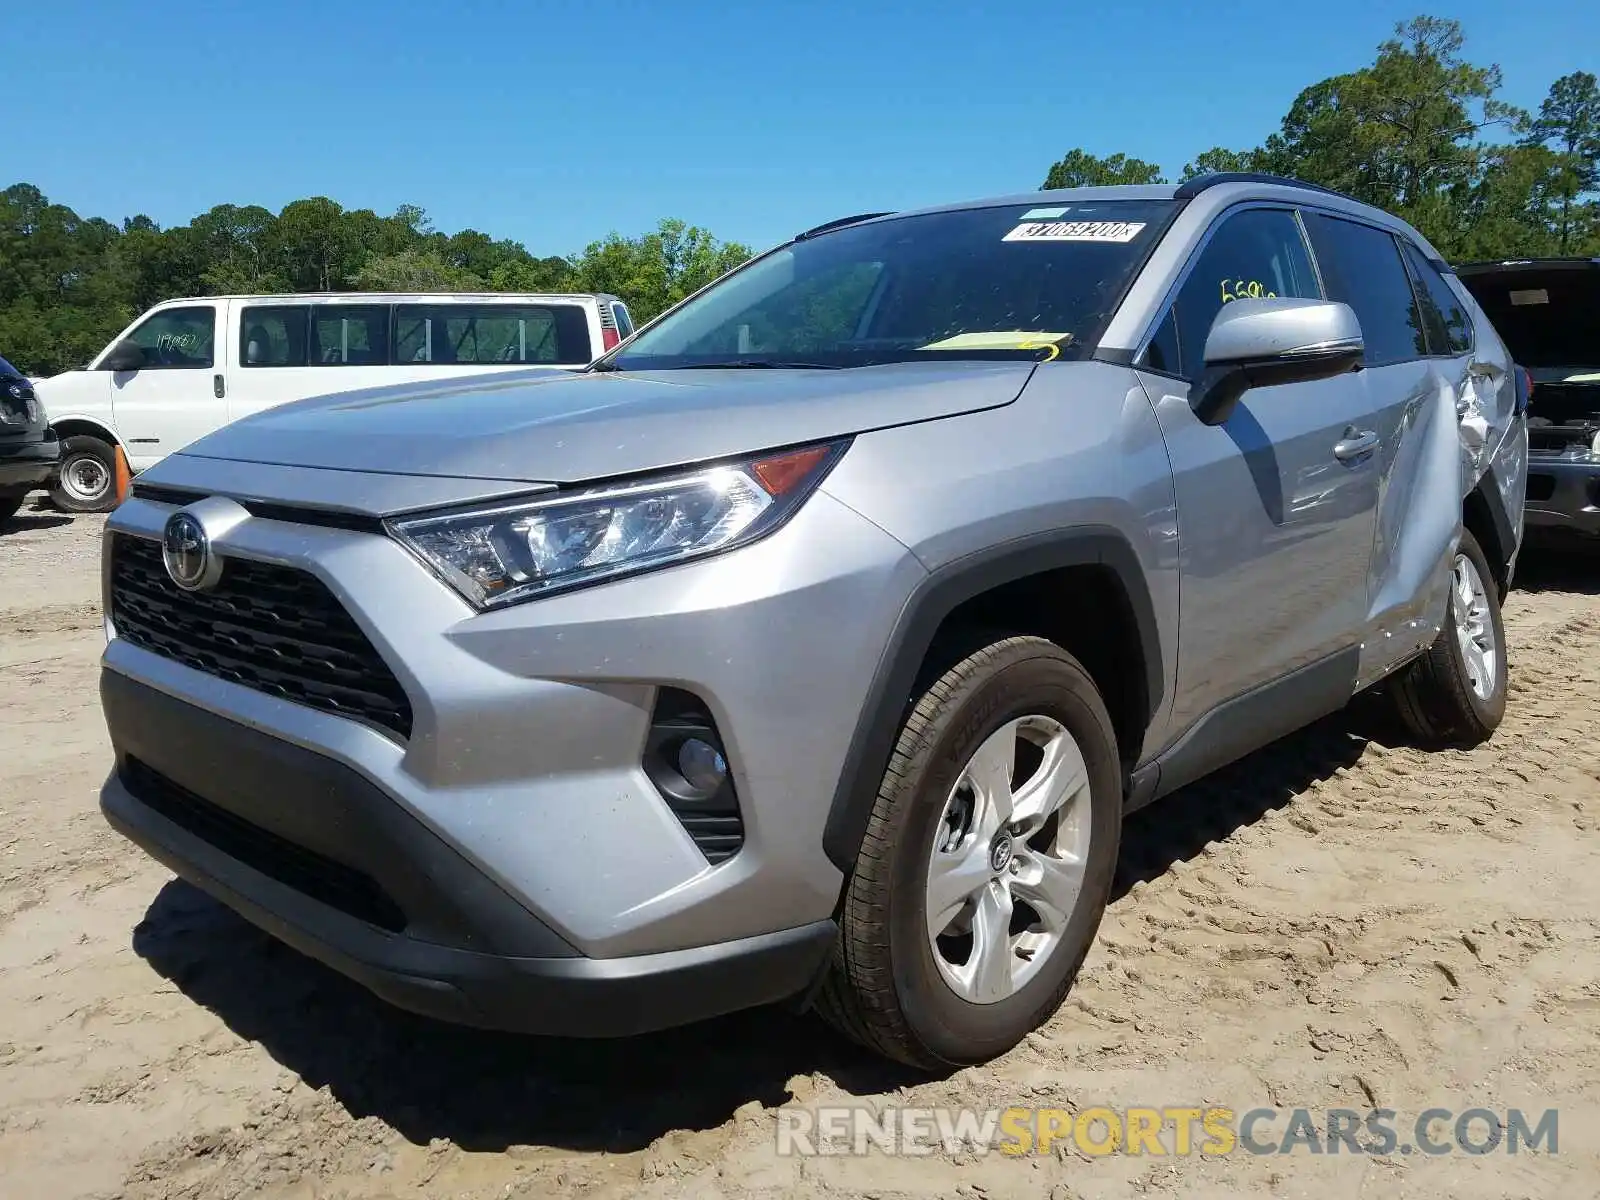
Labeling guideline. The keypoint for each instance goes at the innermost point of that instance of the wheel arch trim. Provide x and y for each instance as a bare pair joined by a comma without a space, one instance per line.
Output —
86,424
938,595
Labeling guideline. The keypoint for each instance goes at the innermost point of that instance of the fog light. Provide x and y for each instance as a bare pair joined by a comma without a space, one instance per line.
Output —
702,765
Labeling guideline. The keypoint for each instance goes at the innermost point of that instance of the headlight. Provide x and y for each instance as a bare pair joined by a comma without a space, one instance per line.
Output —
501,555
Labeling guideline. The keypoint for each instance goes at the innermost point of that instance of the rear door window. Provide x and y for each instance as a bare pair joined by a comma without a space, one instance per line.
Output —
1444,317
274,335
349,335
1361,266
446,334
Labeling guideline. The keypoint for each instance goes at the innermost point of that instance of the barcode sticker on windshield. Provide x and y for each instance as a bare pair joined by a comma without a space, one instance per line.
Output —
1531,296
1075,231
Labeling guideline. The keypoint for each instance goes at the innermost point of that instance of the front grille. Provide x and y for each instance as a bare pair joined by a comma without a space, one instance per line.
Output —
274,629
328,882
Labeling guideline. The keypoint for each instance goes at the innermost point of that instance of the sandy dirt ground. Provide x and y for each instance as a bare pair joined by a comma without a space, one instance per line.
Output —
1337,922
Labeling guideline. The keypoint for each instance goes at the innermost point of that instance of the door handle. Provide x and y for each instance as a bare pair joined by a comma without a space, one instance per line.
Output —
218,387
1355,444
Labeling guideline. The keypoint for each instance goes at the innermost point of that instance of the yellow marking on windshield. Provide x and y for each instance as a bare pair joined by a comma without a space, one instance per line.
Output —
1010,339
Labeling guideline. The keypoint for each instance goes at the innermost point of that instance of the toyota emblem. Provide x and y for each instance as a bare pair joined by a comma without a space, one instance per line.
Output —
186,551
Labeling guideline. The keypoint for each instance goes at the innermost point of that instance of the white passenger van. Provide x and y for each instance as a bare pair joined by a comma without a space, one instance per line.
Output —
188,366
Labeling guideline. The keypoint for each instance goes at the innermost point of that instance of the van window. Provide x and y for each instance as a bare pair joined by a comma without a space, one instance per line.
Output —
349,335
273,335
1361,266
1443,315
623,317
177,338
491,333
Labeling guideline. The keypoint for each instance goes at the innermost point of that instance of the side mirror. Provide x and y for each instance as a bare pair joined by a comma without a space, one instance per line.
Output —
1267,343
124,356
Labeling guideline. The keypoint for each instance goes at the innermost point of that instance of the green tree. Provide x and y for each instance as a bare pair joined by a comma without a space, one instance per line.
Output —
1219,159
655,271
1402,133
1569,123
1079,168
417,269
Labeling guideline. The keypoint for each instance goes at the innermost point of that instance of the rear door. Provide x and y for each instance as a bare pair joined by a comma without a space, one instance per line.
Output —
1274,527
287,352
1419,387
172,399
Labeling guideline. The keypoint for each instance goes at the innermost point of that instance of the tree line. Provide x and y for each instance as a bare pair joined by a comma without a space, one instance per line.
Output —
1420,132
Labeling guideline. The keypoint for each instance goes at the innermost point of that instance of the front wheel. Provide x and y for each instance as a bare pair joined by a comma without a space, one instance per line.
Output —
1455,694
86,481
987,862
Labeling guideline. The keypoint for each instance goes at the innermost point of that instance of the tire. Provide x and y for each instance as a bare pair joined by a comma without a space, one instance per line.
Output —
885,988
1437,696
9,506
86,481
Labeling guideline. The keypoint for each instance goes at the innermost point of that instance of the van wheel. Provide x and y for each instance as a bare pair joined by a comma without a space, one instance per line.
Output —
987,862
1455,694
87,478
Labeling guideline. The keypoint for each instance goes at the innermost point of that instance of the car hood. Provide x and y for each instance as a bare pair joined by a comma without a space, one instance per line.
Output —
540,427
1547,313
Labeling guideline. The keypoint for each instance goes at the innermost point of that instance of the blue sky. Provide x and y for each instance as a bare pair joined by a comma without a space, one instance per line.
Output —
557,123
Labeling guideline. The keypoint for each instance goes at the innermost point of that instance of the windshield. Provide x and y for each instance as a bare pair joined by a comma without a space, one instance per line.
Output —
1010,282
7,369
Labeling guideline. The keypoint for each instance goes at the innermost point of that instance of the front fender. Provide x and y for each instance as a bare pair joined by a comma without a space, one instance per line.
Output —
934,599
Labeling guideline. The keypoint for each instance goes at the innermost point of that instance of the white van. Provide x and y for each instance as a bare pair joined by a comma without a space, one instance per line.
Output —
189,366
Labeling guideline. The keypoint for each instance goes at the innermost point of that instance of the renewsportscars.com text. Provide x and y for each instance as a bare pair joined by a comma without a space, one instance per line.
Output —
1165,1131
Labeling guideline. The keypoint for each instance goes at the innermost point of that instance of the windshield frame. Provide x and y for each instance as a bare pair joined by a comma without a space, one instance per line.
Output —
1159,225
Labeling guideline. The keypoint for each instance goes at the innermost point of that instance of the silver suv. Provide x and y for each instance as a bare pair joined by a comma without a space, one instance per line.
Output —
811,646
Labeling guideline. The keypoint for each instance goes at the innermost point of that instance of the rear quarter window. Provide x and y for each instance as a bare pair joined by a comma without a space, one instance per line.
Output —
1444,317
485,334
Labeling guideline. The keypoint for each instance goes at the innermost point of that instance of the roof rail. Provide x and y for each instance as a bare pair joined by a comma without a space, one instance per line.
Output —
839,224
1189,189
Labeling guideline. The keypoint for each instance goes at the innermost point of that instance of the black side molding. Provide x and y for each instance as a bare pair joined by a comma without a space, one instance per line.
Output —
940,594
1248,722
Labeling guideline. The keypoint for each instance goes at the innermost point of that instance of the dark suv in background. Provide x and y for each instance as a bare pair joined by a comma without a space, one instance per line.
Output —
1548,313
28,449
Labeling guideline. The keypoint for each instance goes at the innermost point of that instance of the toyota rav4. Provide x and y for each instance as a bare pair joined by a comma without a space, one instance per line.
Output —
812,644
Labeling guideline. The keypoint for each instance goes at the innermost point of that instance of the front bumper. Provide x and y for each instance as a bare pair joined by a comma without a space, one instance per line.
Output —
27,463
1564,493
318,857
530,859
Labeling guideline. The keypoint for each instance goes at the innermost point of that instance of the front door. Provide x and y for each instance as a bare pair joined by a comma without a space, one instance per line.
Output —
172,398
1276,507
